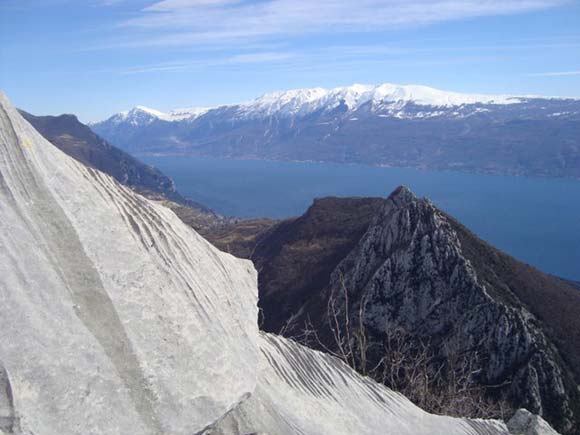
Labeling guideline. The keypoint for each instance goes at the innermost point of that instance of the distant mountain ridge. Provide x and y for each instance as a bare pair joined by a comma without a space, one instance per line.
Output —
390,125
309,100
140,115
77,140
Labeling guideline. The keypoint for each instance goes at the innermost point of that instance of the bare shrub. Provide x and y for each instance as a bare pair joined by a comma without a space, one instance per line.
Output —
441,379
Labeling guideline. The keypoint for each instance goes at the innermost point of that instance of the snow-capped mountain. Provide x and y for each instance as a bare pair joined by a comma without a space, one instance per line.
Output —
142,115
299,102
379,98
385,124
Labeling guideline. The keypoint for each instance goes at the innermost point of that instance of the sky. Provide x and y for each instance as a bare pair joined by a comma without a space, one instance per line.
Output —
94,58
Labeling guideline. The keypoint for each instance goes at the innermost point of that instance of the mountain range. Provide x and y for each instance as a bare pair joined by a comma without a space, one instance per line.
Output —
389,125
306,263
118,318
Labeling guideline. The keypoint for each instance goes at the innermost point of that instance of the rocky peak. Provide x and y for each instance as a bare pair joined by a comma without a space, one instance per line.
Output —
402,195
407,265
409,272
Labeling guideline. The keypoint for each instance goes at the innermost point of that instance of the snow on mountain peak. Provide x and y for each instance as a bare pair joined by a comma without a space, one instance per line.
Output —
291,102
187,113
141,115
426,96
302,101
387,98
147,110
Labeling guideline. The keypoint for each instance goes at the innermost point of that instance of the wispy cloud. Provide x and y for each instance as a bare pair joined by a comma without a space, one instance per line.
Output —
321,59
188,65
555,74
184,22
109,2
35,4
377,49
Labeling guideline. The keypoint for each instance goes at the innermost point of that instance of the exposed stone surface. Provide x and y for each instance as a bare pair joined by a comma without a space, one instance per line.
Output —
301,391
526,423
116,317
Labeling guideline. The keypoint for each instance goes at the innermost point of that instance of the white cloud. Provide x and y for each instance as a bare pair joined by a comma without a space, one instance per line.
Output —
176,5
555,74
184,22
198,64
260,57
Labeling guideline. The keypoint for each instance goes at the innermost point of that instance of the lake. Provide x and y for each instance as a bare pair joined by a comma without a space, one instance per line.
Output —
534,219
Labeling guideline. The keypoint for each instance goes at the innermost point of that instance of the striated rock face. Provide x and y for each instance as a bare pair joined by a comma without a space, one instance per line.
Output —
301,391
409,272
117,318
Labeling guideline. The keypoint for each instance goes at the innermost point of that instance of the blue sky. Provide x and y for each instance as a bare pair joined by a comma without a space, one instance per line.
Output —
97,57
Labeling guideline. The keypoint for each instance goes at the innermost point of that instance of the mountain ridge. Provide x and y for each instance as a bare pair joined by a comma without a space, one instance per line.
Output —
380,125
354,96
77,140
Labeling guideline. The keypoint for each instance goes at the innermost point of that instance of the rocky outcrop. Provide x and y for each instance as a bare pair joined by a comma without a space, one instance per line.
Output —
115,316
296,257
301,391
408,272
525,423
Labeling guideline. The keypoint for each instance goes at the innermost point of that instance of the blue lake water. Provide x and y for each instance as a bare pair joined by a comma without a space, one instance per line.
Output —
534,219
